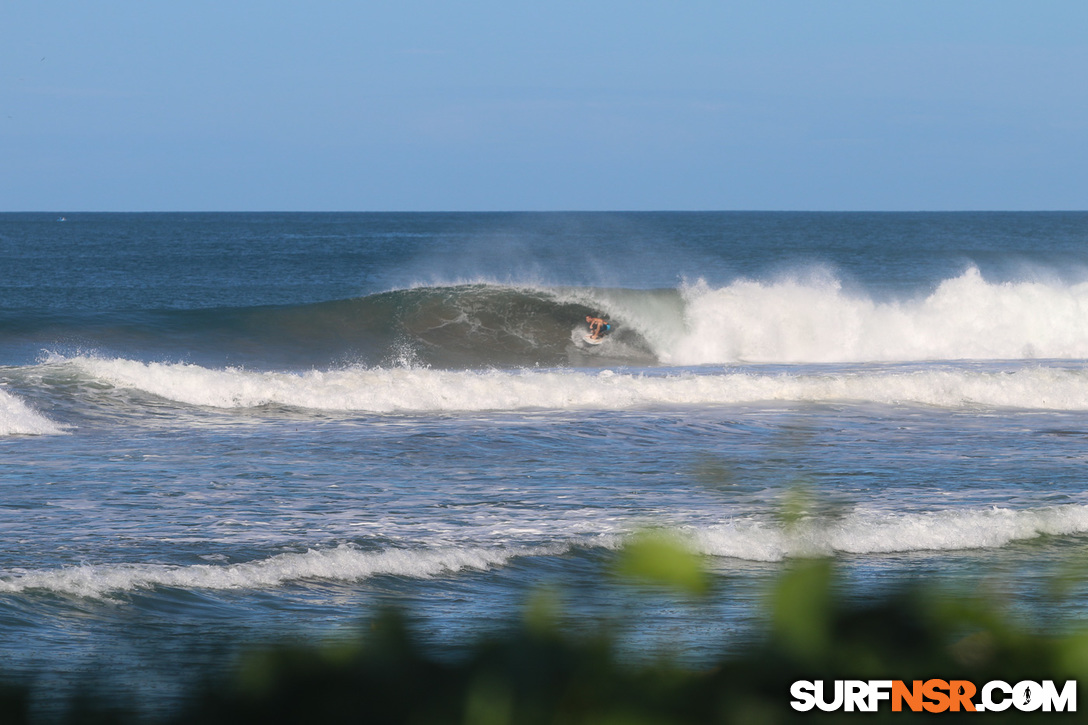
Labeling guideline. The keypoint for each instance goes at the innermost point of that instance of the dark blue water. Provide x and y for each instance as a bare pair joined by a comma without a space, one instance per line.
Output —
230,428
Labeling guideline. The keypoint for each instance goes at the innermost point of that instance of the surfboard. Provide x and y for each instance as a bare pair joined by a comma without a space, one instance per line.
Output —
589,339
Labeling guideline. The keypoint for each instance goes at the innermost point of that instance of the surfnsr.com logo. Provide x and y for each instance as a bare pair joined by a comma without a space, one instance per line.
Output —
934,696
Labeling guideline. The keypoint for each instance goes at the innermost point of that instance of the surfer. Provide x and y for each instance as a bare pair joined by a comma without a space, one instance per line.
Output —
598,328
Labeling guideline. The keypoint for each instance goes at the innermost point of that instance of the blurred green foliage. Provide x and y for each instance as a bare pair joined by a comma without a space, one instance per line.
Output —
537,673
659,558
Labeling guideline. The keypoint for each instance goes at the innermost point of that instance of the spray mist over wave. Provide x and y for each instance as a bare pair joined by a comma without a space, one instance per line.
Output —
405,390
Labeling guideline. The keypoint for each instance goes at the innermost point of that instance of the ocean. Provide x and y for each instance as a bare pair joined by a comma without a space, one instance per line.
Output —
220,430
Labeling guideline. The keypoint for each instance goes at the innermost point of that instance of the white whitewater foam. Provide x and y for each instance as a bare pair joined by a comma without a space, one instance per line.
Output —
857,533
343,563
425,390
879,533
815,320
17,418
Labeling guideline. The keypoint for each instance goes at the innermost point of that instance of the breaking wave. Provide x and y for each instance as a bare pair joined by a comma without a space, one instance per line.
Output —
864,532
17,418
423,390
965,318
343,563
884,533
811,319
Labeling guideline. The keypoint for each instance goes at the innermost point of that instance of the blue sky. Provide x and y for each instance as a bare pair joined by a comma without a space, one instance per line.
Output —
426,105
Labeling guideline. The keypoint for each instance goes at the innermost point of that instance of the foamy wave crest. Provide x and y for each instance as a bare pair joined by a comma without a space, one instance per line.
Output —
16,418
881,533
425,390
343,563
817,321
